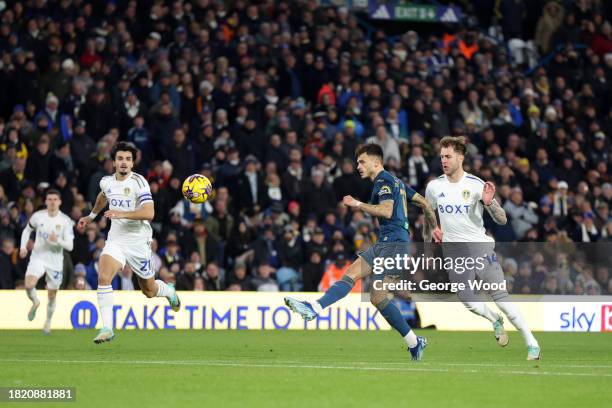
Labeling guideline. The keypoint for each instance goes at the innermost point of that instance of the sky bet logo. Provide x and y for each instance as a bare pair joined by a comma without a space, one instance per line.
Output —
454,209
576,320
587,319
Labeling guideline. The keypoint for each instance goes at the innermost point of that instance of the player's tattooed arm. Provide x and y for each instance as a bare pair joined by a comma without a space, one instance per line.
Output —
497,212
145,212
430,216
382,210
98,206
493,208
100,203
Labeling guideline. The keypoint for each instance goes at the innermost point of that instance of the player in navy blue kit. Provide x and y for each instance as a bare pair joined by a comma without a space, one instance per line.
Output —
389,204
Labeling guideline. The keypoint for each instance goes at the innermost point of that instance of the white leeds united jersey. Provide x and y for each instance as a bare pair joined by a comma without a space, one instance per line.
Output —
127,195
50,254
460,208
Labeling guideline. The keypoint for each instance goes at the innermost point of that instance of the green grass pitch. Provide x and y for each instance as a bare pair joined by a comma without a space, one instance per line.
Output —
308,369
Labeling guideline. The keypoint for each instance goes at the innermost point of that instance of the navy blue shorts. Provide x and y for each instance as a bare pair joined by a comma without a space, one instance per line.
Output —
376,255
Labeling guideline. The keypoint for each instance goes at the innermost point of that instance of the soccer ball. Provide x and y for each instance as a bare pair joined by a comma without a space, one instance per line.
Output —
197,188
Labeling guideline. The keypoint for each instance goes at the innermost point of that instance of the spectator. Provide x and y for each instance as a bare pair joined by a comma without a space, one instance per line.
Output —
560,200
186,279
212,277
387,143
317,196
251,191
12,178
203,243
313,272
38,167
585,230
263,281
265,248
417,169
127,279
163,123
334,272
8,268
180,155
239,277
220,224
198,284
348,183
290,256
552,17
521,215
97,114
82,149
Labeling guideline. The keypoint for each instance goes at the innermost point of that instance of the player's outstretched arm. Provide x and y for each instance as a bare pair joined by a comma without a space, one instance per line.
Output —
493,208
145,212
384,209
430,217
98,206
497,213
25,237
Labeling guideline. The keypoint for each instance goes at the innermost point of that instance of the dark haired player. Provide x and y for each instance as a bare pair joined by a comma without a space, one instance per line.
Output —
53,235
129,239
388,203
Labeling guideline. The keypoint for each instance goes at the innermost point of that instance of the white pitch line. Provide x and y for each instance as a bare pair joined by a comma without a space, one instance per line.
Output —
307,366
499,365
547,364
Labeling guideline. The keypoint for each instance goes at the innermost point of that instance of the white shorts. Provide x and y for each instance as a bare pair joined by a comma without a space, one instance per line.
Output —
137,256
38,269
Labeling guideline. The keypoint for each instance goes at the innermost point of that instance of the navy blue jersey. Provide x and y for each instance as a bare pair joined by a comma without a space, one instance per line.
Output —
389,187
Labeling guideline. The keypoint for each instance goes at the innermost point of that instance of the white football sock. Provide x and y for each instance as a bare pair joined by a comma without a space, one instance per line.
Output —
105,303
411,339
163,290
32,295
50,310
481,309
516,318
316,306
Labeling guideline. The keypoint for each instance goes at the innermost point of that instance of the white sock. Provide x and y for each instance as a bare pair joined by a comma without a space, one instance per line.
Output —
163,290
481,309
50,309
516,318
316,306
411,339
32,295
105,303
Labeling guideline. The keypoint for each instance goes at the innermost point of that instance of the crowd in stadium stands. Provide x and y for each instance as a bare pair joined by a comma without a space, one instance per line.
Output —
269,100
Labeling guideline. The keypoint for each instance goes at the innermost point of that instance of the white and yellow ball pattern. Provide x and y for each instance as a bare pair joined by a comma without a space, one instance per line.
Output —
197,188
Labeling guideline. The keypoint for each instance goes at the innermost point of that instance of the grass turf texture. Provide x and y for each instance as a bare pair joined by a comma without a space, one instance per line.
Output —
308,369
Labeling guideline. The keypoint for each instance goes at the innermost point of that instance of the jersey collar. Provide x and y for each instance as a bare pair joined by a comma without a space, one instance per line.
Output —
379,175
121,181
458,181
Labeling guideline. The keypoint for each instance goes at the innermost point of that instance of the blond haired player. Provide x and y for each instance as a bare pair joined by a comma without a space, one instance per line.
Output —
53,235
129,239
460,198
